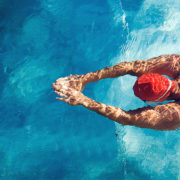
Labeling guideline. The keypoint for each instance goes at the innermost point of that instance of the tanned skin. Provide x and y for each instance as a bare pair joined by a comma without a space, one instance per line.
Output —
162,117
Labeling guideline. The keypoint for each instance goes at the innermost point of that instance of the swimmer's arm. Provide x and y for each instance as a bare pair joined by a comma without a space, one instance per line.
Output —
160,118
164,117
165,64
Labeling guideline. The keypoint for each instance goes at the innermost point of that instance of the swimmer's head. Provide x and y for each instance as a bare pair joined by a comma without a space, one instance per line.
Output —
153,87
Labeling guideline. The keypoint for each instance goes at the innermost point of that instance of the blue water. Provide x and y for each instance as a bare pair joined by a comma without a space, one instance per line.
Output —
45,139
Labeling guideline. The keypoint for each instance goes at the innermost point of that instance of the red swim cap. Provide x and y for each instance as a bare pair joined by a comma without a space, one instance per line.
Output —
153,87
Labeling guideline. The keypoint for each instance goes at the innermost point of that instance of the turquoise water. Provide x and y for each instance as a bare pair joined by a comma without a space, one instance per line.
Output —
45,139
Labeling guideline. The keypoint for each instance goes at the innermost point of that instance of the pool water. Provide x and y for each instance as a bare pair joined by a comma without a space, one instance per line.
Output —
45,139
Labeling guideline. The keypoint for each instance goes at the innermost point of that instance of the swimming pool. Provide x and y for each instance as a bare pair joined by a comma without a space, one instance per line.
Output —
42,40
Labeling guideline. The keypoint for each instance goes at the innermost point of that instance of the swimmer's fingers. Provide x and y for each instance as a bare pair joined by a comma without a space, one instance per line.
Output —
67,97
69,101
61,94
66,91
59,86
70,96
61,99
72,81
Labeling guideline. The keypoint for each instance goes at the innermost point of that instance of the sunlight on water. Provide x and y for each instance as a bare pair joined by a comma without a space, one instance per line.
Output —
156,31
42,40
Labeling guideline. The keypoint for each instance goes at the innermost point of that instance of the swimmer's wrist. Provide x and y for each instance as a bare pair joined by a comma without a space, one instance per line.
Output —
89,103
85,101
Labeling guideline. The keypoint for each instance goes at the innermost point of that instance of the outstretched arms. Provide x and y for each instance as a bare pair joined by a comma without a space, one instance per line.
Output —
164,117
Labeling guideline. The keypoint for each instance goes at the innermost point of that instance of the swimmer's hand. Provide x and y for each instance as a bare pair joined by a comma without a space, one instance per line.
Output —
70,96
72,81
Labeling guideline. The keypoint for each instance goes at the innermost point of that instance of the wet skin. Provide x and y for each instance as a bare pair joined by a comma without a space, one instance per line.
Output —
163,117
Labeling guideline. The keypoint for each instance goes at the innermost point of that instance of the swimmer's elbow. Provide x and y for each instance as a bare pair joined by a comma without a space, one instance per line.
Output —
169,123
160,122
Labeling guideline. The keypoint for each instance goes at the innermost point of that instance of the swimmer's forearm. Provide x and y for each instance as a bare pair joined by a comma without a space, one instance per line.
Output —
134,68
116,114
120,69
113,113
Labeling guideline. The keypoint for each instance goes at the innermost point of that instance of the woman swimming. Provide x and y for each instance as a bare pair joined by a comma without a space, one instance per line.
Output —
161,117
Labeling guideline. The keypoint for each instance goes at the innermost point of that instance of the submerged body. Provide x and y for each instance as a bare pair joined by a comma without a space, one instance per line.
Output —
163,117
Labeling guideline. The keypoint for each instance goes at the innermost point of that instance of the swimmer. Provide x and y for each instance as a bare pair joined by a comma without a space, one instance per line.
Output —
151,85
